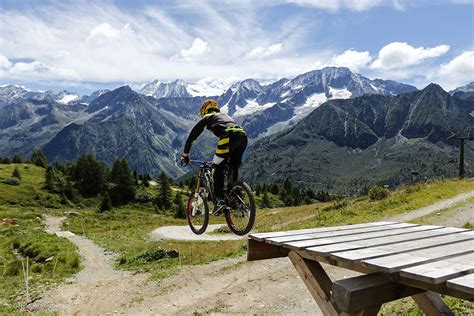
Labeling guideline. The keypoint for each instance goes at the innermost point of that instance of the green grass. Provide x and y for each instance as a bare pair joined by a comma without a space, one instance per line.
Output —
51,259
29,192
408,307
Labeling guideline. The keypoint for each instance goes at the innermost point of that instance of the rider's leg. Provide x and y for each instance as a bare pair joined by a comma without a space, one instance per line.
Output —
218,165
238,147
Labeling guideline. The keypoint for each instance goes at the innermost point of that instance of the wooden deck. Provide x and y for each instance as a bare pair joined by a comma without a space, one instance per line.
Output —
424,257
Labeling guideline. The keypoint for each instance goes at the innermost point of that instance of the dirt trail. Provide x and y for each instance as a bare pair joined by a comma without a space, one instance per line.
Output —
185,233
232,286
79,297
431,208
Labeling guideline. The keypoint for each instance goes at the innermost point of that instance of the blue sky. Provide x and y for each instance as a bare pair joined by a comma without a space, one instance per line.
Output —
85,45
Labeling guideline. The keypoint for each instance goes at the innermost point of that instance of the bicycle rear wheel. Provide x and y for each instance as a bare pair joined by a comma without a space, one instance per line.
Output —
198,213
240,216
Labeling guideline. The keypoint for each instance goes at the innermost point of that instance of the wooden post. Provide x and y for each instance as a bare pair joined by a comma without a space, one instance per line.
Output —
317,281
461,159
432,304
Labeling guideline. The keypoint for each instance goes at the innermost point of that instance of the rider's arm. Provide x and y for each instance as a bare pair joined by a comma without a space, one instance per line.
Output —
195,132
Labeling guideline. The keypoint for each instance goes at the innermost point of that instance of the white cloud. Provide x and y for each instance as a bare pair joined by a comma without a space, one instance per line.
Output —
105,30
197,49
4,62
39,70
399,55
265,51
457,72
353,59
336,5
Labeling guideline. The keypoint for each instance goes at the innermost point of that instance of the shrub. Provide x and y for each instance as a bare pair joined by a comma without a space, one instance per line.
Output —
13,268
377,193
11,181
16,173
75,262
105,203
143,197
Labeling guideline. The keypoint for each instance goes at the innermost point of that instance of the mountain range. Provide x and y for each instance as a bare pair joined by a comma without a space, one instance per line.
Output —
348,145
148,126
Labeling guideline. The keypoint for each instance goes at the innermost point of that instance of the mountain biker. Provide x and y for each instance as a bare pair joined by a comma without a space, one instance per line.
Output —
230,147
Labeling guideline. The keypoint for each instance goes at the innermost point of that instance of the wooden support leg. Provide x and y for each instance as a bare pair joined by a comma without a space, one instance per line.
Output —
317,281
432,304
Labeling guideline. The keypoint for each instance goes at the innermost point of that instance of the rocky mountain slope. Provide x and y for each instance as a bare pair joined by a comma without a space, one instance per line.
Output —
269,109
29,124
124,125
370,139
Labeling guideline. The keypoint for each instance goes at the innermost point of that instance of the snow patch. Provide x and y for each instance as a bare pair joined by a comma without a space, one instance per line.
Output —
283,95
251,107
374,87
312,102
208,87
68,98
339,93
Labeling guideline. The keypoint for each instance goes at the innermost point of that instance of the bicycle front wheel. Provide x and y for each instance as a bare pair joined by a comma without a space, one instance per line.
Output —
198,213
240,216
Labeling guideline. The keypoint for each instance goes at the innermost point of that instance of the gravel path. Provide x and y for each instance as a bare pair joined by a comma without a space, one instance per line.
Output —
185,233
430,208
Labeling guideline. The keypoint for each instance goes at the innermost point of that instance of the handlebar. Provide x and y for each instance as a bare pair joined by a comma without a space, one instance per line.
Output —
200,162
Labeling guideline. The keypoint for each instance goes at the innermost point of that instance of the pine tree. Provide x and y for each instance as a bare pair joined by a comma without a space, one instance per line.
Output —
146,180
265,203
135,177
16,173
39,159
180,212
105,203
89,175
124,183
49,183
163,200
6,160
274,189
258,189
17,159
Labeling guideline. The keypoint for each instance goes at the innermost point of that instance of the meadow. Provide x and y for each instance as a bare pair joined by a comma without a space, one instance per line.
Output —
126,230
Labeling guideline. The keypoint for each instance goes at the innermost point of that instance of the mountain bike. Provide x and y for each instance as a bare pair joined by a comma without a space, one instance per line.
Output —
240,204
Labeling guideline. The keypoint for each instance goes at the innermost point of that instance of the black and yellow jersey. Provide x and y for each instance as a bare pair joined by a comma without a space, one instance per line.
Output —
220,124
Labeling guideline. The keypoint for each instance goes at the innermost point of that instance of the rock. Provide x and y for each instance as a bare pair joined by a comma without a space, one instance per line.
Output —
173,253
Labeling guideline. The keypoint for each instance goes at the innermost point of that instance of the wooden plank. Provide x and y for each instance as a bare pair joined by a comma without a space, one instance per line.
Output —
260,250
463,284
432,304
317,281
348,234
366,291
262,236
394,263
439,271
363,249
302,244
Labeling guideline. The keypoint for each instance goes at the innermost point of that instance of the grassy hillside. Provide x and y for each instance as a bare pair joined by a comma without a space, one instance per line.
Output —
126,230
29,192
51,259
